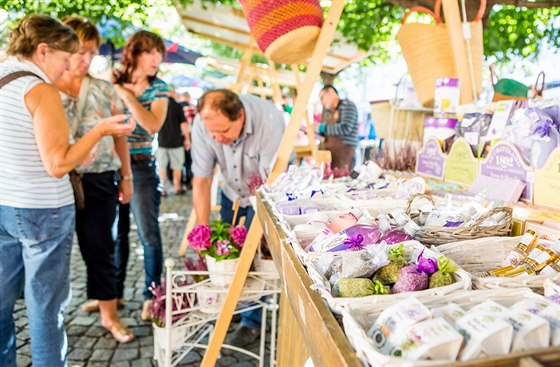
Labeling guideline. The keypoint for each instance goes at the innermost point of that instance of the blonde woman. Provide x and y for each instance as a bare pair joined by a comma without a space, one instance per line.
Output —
36,201
86,100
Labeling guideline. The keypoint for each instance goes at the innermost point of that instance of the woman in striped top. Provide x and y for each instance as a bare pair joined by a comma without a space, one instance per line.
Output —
145,98
36,203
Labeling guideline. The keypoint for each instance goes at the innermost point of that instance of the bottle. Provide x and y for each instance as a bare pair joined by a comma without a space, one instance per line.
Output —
459,219
336,225
552,268
397,235
540,257
371,234
520,252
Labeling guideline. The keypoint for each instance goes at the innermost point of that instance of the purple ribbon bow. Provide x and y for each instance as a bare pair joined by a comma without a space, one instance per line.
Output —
426,264
543,128
354,243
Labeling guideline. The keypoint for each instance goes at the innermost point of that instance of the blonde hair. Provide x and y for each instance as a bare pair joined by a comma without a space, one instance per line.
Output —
35,29
84,28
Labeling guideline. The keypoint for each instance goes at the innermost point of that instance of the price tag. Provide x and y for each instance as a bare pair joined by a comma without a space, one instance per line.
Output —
460,166
547,182
430,160
504,161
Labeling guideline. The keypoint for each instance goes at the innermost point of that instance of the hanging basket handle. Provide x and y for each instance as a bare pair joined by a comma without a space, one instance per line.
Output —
493,77
541,89
478,17
420,9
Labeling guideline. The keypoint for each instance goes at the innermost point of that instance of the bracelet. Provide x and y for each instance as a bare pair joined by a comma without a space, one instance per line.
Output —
126,178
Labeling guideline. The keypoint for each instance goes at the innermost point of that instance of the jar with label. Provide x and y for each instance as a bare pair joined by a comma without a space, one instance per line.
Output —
539,257
520,252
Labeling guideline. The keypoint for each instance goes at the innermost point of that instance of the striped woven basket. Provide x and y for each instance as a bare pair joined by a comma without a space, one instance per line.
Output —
285,30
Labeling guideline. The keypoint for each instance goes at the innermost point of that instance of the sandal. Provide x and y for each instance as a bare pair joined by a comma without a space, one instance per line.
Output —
121,333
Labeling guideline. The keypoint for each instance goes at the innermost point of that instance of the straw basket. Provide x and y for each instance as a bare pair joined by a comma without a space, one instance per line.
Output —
443,235
358,318
428,53
486,254
411,249
285,30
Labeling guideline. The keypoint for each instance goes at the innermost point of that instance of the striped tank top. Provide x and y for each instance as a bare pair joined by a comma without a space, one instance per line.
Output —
24,181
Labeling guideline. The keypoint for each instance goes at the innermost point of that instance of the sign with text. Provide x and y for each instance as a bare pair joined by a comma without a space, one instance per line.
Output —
504,161
547,182
430,160
460,166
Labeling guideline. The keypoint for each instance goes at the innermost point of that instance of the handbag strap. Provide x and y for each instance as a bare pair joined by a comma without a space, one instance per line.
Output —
15,75
82,98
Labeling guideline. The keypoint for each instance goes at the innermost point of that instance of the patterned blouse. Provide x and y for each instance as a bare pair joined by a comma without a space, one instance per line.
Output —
103,157
140,141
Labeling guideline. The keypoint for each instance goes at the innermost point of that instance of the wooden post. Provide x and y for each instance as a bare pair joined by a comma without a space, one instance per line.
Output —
286,147
455,29
273,81
308,124
245,61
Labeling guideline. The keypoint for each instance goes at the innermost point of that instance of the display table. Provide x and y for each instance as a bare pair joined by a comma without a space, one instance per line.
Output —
307,328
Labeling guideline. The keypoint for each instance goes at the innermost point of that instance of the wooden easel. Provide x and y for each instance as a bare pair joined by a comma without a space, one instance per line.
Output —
283,156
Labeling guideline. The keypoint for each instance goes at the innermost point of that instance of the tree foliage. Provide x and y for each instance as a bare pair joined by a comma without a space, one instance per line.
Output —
371,25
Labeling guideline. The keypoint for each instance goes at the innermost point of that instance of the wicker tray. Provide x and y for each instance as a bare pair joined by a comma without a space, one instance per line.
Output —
443,235
412,249
488,253
358,318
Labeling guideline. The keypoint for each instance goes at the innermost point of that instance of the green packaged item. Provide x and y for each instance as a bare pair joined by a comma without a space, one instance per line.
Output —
355,287
444,276
389,273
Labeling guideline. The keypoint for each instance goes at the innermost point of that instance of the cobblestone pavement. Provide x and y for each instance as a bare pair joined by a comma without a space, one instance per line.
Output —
89,344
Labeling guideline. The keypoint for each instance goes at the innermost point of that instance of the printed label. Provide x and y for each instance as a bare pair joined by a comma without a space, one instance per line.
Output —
504,161
431,161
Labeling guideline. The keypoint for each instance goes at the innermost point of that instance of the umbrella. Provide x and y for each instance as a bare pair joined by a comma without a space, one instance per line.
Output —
175,53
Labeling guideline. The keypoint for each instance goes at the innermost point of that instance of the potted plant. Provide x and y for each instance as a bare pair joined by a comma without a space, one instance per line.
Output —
220,244
181,305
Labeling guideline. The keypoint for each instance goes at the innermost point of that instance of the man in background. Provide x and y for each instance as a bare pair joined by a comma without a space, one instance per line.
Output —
173,141
339,127
189,110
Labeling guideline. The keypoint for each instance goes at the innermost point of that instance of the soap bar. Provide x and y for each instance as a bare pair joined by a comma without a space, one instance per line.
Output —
507,190
391,326
484,333
433,339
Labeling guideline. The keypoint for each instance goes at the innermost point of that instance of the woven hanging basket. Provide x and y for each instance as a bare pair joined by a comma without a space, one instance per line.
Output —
428,53
285,30
443,235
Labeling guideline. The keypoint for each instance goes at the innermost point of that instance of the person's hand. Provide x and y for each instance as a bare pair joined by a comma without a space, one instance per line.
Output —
116,126
187,143
126,189
124,93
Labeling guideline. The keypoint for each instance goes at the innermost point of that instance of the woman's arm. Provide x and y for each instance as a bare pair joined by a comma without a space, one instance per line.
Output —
151,120
52,131
126,189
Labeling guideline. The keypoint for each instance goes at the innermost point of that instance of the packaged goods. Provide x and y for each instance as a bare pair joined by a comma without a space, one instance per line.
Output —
520,252
446,97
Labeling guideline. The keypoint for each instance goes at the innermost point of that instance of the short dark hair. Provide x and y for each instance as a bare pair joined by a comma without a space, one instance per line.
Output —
222,100
327,87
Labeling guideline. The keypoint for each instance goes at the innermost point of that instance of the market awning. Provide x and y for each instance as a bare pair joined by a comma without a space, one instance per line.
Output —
227,25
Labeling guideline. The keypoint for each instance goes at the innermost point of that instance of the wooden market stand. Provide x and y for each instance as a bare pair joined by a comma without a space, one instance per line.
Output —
307,327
